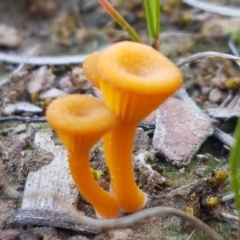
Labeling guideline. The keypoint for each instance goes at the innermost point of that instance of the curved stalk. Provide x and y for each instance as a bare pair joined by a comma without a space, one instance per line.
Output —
118,153
104,204
129,220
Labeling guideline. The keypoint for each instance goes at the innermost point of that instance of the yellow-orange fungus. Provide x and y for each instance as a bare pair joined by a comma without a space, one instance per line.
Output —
90,67
134,79
80,121
134,75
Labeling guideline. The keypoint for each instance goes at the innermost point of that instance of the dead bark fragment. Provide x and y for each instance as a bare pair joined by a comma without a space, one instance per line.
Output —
40,209
53,219
179,132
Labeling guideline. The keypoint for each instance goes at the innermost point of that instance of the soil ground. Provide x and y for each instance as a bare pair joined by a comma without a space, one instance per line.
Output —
61,27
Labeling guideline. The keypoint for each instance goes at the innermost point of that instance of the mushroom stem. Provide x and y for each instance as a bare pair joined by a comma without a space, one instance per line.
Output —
118,153
81,173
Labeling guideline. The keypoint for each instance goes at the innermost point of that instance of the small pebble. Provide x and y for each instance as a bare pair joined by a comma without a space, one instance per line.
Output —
200,171
215,95
201,157
153,219
157,178
181,170
9,109
219,81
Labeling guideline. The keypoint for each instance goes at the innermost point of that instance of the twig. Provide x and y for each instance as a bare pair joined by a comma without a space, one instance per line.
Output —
42,60
227,100
167,34
223,112
51,60
194,230
22,119
131,219
202,55
223,137
233,48
78,59
229,216
228,197
209,7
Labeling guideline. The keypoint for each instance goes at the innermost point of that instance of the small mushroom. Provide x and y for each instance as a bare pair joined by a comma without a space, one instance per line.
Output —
80,121
134,79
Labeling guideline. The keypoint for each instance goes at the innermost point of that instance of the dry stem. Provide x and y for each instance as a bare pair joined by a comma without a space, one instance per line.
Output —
130,219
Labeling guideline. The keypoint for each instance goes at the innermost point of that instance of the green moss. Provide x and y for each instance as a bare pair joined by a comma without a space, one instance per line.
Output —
175,178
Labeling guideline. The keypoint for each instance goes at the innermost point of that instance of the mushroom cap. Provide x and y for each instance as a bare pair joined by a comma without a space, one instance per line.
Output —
80,120
134,79
90,68
139,69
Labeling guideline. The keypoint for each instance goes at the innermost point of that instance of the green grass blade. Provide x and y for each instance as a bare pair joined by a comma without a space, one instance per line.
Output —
234,164
156,21
149,16
156,17
120,20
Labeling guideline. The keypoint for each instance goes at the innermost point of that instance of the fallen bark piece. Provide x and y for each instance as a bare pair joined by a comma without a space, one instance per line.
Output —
40,209
179,132
53,219
54,177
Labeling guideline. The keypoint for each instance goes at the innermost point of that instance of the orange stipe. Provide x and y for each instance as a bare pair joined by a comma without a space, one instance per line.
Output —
80,121
134,79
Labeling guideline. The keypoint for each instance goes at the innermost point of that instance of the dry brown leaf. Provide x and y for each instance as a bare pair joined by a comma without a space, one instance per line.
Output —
41,80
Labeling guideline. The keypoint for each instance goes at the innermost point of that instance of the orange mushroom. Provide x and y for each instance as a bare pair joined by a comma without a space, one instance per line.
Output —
90,69
80,121
134,79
